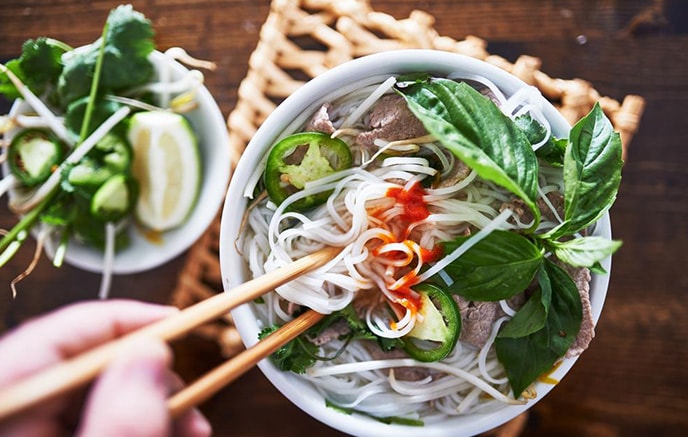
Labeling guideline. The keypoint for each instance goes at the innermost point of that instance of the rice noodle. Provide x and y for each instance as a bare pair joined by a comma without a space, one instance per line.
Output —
383,254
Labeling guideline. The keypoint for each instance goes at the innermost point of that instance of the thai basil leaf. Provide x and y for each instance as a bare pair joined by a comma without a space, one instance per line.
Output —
478,133
533,315
553,151
585,251
387,419
526,358
592,172
499,266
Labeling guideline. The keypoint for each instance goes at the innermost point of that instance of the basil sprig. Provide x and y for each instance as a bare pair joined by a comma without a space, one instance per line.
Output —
592,173
498,267
504,263
585,251
478,133
525,357
532,316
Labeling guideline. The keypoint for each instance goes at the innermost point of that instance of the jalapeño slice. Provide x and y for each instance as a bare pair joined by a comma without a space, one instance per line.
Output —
435,337
33,155
115,198
301,158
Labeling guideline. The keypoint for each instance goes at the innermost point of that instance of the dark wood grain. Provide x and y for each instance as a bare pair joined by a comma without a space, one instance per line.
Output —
633,381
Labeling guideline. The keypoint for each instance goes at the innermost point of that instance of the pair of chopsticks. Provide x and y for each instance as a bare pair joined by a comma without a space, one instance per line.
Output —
68,375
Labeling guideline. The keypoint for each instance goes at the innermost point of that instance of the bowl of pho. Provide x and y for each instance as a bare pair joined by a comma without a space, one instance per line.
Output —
472,233
114,175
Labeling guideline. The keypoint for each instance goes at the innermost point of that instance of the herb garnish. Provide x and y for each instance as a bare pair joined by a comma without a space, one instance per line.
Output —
504,264
76,82
479,134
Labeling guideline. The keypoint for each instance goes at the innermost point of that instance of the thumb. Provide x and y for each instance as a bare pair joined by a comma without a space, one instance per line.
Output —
130,396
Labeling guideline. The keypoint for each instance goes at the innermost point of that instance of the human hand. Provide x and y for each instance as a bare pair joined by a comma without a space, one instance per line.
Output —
129,398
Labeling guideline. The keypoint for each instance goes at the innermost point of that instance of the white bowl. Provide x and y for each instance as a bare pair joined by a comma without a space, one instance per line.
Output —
303,102
145,253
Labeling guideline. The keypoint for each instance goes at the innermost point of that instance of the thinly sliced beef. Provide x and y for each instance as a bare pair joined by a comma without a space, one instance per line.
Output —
320,122
525,216
333,332
477,319
391,120
459,172
557,201
581,277
518,207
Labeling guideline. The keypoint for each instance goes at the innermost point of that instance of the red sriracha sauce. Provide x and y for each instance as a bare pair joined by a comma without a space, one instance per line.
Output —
415,208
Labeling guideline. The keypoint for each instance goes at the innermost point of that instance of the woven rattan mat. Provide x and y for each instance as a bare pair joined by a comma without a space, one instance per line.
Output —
302,38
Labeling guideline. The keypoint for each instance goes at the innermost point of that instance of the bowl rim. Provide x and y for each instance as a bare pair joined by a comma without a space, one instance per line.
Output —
233,269
213,142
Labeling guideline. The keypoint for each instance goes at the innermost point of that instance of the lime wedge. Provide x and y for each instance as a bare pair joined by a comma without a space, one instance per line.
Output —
167,166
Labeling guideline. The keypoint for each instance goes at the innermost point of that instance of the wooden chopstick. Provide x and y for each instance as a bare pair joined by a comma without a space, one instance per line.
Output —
203,388
66,376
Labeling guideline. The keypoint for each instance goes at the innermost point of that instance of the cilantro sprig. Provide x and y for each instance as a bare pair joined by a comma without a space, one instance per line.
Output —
75,83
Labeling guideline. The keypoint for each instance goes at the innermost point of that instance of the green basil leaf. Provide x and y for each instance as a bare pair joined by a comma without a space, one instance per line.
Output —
585,251
387,419
533,315
478,133
526,358
532,128
499,266
592,172
553,151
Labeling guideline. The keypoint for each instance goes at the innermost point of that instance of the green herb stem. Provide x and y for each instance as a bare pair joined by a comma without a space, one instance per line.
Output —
26,222
57,43
94,87
58,259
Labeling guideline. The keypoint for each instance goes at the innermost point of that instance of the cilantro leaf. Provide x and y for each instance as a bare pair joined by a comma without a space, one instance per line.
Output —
129,41
102,110
296,356
38,67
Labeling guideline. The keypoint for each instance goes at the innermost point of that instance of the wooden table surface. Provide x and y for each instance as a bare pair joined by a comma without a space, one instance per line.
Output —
633,381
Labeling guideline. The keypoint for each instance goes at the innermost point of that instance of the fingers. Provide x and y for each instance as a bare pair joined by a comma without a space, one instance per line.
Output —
192,422
130,397
70,330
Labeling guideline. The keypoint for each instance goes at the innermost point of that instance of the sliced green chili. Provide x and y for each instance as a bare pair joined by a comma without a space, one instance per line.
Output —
302,158
33,155
435,337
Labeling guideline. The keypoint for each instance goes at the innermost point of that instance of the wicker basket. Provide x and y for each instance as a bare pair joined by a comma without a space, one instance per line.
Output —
303,38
